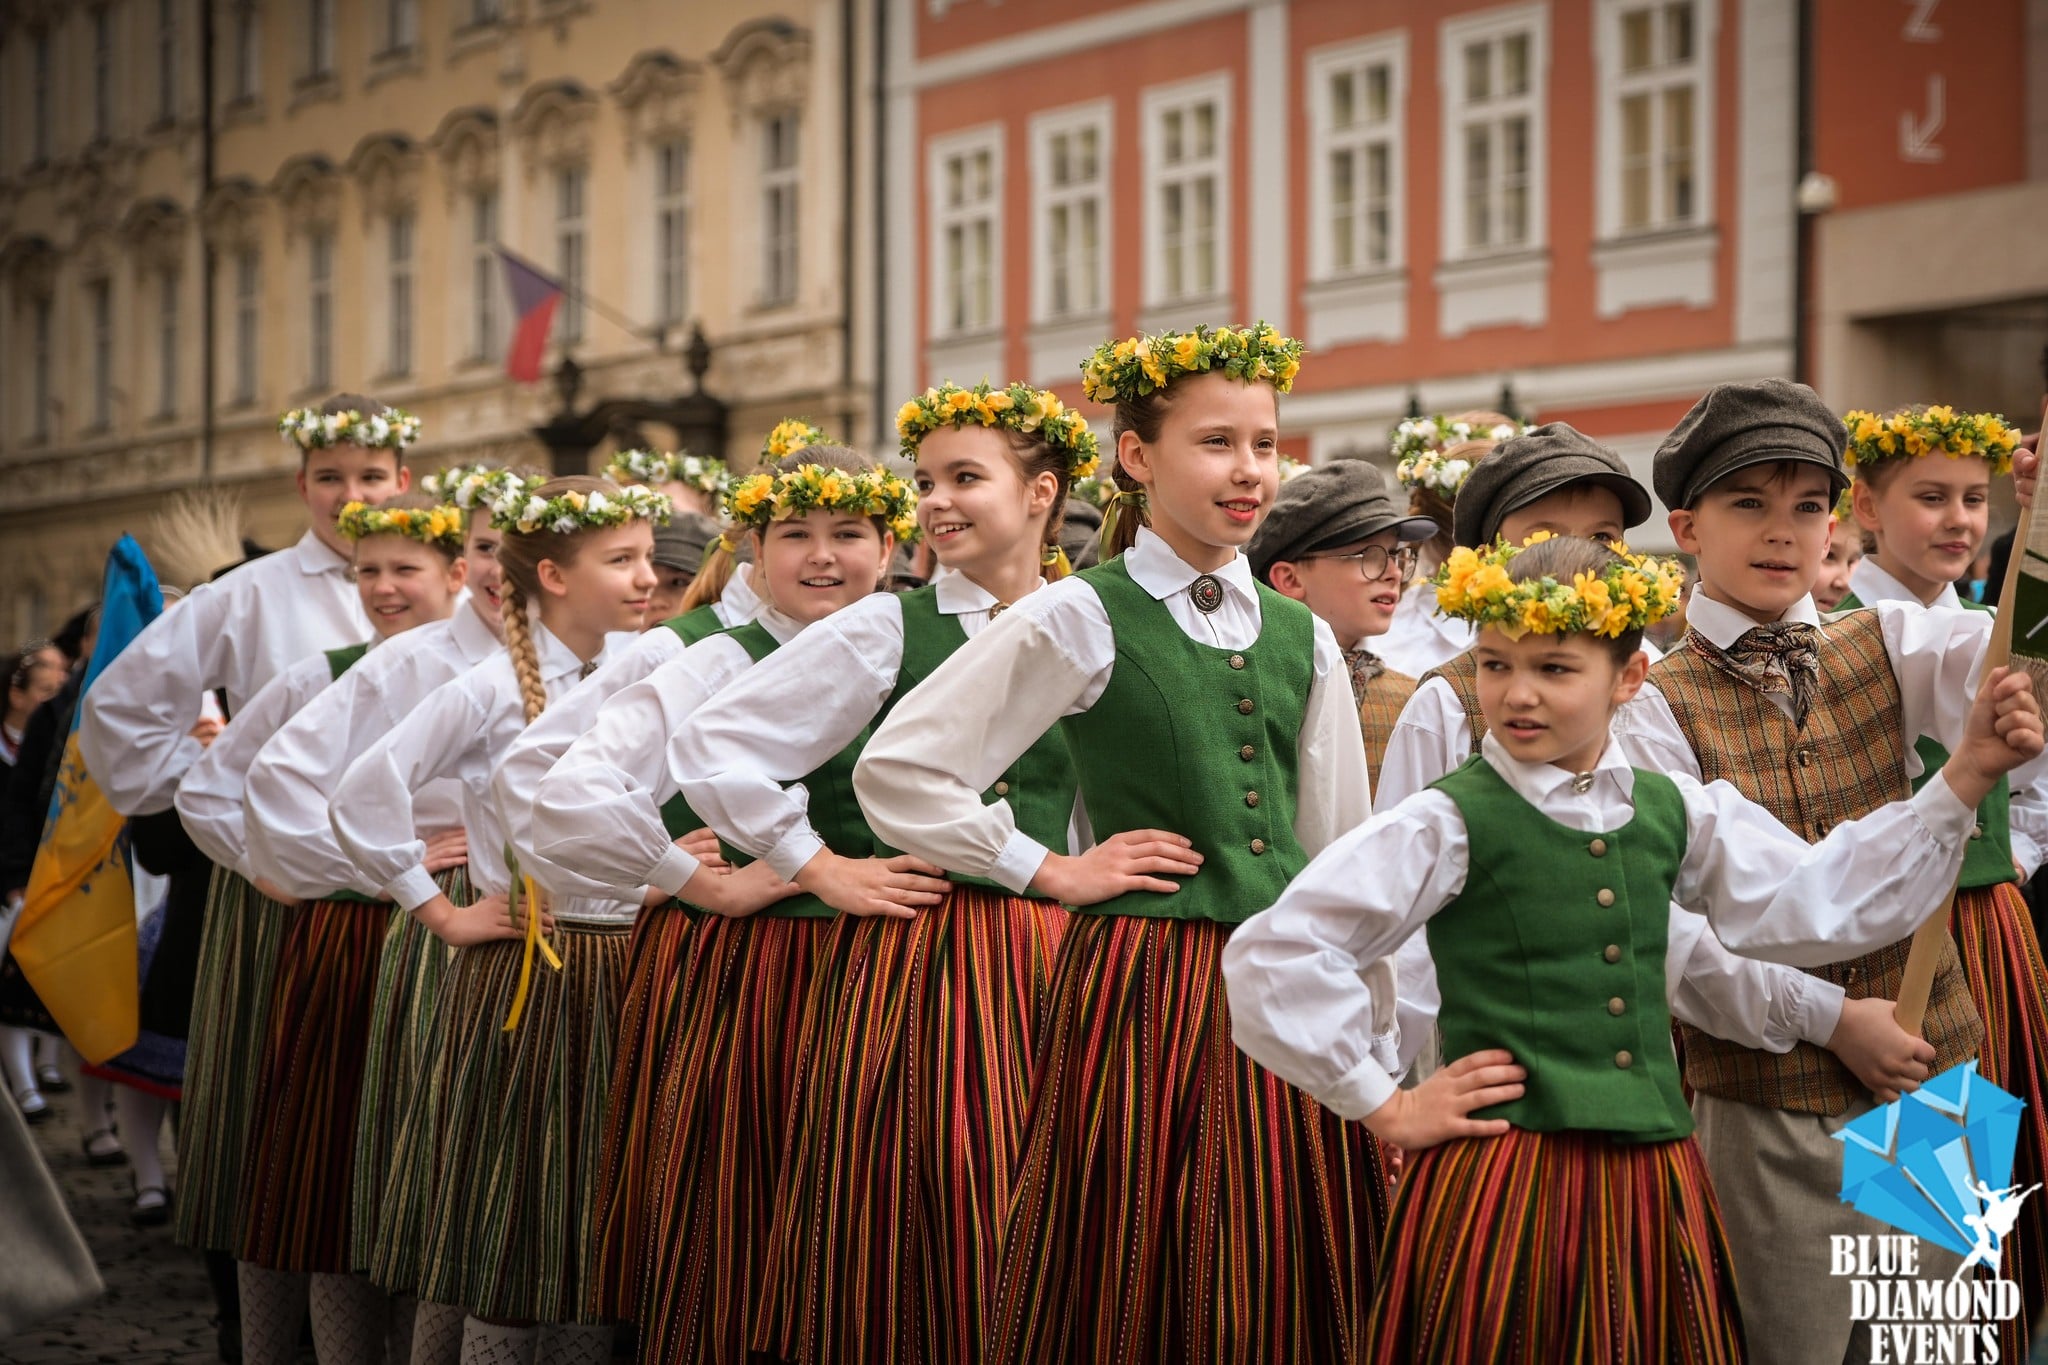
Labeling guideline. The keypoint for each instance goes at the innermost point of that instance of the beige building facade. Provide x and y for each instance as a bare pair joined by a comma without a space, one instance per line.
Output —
682,164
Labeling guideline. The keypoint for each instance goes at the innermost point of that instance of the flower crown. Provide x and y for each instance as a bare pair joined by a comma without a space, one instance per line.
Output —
472,486
440,527
1139,365
1291,468
525,511
657,467
789,436
312,429
760,499
1629,594
1844,505
1910,434
1418,447
1018,408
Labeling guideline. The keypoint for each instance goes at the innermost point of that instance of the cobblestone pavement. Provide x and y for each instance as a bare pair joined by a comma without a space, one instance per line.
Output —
157,1306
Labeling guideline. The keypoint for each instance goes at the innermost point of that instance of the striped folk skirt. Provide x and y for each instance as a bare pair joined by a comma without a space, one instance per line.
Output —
302,1134
521,1121
1175,1201
720,1127
648,1027
230,1019
2002,962
1556,1247
909,1119
394,1171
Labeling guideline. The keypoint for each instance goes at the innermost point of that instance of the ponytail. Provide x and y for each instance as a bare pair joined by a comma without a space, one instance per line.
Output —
1144,415
721,558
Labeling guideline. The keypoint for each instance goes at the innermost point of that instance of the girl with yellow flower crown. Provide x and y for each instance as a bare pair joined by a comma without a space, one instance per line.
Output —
1922,495
1172,1199
926,1000
529,1005
708,1049
306,1065
1562,1114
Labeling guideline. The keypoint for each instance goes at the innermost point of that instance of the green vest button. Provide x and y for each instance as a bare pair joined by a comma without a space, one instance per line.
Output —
1624,1060
1604,896
1617,1006
1258,845
1613,953
1251,798
1244,708
1247,753
1598,848
1237,661
1002,789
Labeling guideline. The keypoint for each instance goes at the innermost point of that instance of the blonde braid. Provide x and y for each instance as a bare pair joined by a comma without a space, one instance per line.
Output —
533,694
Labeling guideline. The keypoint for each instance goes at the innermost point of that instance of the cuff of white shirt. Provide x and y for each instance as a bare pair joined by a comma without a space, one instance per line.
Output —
1812,1009
1361,1090
674,871
412,888
1019,861
2026,854
793,850
1943,812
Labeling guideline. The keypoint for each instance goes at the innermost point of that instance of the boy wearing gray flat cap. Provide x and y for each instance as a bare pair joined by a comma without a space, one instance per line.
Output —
678,553
1337,542
1818,722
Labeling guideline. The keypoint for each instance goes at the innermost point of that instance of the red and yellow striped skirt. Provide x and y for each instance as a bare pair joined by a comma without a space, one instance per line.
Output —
721,1123
1175,1201
302,1136
520,1117
1566,1247
910,1118
648,1028
2002,962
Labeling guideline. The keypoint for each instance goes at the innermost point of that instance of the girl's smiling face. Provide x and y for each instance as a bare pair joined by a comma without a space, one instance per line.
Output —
812,565
1211,476
1929,515
973,501
404,584
606,582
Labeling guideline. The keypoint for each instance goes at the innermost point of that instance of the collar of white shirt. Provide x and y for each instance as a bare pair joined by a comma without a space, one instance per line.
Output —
739,596
315,557
783,628
1154,567
957,594
1872,585
471,635
558,662
1723,625
1548,787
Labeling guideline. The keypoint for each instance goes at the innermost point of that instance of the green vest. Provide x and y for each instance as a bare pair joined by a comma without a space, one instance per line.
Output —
697,624
340,661
676,816
1530,960
834,812
1987,861
1039,786
1201,741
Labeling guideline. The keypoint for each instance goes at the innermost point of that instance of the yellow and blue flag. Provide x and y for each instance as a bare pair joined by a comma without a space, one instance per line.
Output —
75,939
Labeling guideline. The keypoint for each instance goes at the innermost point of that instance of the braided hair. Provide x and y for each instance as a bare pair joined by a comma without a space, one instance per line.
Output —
519,557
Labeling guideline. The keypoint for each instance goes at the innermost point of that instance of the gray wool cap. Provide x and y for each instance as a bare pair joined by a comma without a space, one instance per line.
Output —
1762,421
681,543
1339,503
1532,465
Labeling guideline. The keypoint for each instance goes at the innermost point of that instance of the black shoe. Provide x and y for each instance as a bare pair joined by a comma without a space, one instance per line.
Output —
152,1206
34,1108
50,1077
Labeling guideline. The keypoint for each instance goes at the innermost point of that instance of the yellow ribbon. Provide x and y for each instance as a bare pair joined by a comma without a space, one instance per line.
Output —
535,941
1055,558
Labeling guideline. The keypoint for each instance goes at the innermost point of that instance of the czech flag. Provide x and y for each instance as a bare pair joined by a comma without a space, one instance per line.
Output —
535,297
75,939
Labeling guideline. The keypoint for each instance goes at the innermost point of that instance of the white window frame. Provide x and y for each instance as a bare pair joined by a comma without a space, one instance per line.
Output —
1699,73
968,143
319,20
672,224
401,26
1452,39
248,303
169,280
247,54
401,258
1098,116
320,250
482,209
99,332
1154,105
1325,140
780,259
572,247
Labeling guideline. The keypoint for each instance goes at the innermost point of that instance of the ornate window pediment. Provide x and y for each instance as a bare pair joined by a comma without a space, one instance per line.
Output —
658,92
154,232
30,266
467,144
232,214
386,169
309,188
553,123
766,64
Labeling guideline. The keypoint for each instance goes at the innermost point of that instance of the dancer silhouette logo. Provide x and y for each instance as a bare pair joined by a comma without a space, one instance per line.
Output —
1935,1165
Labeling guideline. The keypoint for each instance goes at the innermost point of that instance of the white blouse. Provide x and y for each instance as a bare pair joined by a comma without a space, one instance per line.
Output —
209,798
458,731
597,813
234,634
921,776
292,783
816,695
1419,638
1299,1006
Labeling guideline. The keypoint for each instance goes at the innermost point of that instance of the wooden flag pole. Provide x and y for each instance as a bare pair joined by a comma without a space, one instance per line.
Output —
1917,983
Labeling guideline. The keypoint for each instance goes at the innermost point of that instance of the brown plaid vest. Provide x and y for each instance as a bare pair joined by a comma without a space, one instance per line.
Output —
1462,676
1378,709
1846,763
